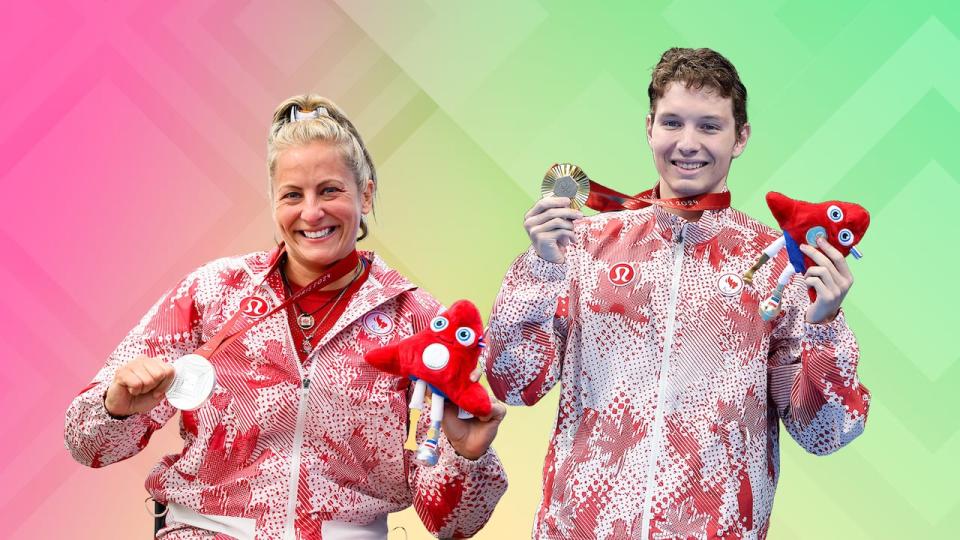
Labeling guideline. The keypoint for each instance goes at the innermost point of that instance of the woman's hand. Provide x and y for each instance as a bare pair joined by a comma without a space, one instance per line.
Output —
471,438
138,386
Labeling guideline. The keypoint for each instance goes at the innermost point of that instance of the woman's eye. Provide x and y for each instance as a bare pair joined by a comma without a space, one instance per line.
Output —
465,336
290,195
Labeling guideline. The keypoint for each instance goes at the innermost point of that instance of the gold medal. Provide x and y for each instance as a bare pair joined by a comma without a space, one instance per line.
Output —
566,180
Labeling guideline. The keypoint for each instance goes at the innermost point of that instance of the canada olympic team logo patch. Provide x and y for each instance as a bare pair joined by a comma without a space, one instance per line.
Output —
730,284
377,322
254,307
621,274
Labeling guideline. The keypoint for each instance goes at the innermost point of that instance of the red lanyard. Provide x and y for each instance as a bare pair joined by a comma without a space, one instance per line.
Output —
604,199
254,309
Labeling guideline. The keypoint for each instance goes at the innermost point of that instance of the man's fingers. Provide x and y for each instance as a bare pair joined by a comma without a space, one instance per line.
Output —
566,214
818,285
825,276
547,203
551,225
821,259
839,261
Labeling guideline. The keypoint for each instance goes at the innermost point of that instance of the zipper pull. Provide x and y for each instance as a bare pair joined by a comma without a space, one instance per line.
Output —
306,384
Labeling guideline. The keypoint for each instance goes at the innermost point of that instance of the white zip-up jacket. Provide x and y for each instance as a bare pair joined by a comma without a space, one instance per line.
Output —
284,449
672,386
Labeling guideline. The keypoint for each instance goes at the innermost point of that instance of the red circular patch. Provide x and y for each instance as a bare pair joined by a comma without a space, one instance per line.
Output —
621,274
254,307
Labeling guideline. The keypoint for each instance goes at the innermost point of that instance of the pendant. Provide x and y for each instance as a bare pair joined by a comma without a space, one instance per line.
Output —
305,321
307,347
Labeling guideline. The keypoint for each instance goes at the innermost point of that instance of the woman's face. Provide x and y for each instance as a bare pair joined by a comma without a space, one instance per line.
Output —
317,206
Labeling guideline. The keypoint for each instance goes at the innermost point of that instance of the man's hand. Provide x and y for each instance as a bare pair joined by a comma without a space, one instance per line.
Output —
549,224
831,279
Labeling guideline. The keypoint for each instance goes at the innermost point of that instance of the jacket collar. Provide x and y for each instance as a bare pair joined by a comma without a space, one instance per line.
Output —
382,285
673,227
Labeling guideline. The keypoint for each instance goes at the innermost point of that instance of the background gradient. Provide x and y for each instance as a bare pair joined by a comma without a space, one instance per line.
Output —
133,151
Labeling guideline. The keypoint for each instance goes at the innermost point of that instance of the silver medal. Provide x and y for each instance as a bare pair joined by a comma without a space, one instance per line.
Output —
193,382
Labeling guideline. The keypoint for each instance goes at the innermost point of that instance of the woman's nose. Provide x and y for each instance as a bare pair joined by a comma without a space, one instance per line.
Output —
312,210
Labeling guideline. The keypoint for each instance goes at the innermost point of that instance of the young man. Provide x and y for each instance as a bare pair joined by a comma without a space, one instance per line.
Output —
672,386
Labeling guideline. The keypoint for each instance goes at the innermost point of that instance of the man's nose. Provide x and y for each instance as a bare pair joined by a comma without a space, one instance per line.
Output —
688,144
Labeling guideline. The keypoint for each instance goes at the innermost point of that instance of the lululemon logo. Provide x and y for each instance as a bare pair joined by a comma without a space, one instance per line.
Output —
621,274
377,322
253,307
730,284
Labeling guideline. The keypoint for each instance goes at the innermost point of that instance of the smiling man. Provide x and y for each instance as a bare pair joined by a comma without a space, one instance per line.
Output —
673,388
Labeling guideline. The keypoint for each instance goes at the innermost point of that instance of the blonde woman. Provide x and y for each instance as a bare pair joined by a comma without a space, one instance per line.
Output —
300,438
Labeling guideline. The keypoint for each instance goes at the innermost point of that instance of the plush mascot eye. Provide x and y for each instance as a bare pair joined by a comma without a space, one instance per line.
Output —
465,336
438,324
835,213
845,237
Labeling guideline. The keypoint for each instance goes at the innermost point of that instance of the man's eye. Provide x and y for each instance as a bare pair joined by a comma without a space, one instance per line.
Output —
711,127
671,123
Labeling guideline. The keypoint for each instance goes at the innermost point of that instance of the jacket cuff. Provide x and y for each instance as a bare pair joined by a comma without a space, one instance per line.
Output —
455,464
543,269
827,333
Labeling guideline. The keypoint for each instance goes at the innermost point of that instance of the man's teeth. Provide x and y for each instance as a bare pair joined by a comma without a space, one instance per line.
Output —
323,233
689,165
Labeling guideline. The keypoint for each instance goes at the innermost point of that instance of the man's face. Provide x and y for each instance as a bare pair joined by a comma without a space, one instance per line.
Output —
693,138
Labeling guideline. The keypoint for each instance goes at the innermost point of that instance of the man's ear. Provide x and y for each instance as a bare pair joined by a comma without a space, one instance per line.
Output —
650,129
742,138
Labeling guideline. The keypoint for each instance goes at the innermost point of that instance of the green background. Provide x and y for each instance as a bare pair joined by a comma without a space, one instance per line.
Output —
848,100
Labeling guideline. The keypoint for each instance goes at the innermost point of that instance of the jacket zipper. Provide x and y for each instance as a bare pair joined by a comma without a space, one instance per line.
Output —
656,444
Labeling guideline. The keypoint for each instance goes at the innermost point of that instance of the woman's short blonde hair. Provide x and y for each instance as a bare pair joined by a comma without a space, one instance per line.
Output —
331,125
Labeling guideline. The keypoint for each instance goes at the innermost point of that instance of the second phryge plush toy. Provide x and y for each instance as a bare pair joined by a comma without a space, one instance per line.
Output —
841,224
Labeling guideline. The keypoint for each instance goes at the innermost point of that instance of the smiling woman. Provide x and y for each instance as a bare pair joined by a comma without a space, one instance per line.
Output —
322,183
270,455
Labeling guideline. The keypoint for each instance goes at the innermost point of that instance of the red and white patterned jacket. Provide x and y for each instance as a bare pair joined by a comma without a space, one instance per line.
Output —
270,450
672,387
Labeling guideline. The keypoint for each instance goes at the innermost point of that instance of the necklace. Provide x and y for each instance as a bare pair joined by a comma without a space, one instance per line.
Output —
305,321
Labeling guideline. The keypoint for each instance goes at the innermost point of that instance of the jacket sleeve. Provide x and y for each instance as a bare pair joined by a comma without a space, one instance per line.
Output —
170,329
455,498
813,377
528,330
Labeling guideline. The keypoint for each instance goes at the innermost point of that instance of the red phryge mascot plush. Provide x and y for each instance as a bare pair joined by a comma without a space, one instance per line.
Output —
441,356
842,224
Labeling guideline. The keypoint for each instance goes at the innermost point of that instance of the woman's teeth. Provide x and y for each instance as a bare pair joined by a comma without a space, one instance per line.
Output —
322,233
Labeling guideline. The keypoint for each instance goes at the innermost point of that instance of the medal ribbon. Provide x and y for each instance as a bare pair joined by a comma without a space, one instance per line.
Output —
242,321
604,199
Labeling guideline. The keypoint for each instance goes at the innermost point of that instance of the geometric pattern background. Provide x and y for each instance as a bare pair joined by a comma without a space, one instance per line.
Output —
133,149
